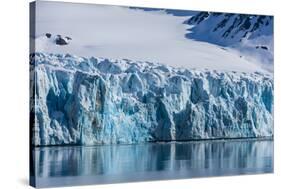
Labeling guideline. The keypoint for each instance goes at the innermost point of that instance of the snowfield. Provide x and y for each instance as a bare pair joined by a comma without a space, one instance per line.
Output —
88,101
155,36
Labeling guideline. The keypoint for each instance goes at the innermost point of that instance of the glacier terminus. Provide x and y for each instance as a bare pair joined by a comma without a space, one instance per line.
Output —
88,101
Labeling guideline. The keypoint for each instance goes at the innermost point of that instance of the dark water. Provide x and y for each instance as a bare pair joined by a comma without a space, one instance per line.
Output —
62,166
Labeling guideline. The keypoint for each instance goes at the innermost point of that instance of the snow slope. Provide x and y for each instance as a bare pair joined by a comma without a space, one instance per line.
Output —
123,32
93,100
251,35
228,28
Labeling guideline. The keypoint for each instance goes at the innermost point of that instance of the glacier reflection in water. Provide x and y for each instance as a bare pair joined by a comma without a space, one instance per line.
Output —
60,166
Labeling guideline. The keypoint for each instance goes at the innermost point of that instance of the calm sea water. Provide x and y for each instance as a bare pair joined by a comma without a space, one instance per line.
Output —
63,166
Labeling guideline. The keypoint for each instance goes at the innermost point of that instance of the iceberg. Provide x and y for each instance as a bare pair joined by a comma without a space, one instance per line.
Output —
88,101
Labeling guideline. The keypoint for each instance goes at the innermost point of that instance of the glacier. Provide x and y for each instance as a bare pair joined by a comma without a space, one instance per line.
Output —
88,101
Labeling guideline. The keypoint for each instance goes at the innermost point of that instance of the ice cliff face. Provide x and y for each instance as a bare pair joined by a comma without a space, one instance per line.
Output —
100,101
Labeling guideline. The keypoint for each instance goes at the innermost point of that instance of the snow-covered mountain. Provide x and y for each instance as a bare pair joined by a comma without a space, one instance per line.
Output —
251,35
229,28
154,35
89,101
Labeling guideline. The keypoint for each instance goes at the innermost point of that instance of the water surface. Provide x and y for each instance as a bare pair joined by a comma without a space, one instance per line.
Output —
73,165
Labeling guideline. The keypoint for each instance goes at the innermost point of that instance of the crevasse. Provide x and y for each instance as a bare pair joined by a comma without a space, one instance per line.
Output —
86,101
